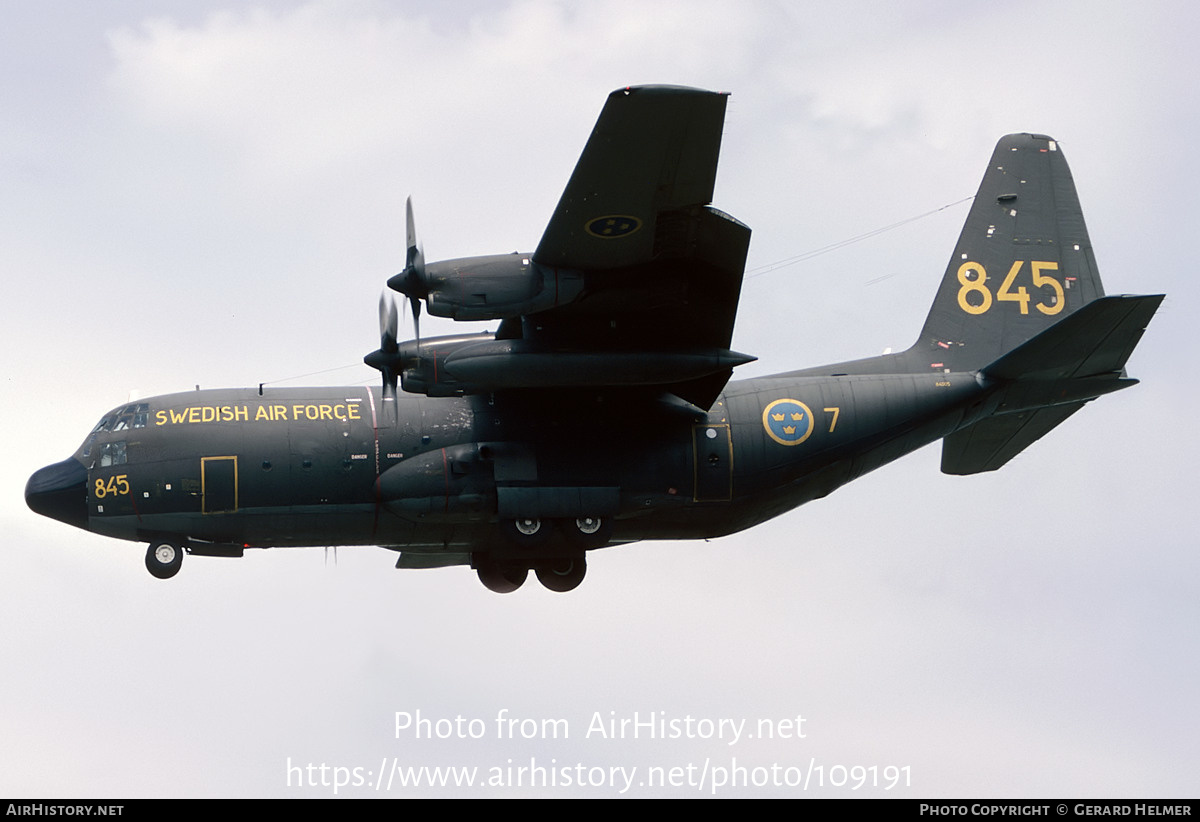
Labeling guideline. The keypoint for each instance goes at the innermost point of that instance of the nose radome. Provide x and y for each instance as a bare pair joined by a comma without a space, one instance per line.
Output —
59,491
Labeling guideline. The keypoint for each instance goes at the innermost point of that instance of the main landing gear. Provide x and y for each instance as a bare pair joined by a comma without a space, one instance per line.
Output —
560,564
164,558
581,532
559,574
563,574
503,578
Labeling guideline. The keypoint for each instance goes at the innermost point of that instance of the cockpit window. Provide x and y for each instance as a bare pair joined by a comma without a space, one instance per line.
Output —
105,424
112,453
132,416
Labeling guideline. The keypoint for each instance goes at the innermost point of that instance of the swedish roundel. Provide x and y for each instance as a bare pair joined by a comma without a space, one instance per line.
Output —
788,422
613,226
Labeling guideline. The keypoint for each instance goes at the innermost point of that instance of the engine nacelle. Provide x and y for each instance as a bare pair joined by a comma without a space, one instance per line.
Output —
424,369
460,364
454,483
497,286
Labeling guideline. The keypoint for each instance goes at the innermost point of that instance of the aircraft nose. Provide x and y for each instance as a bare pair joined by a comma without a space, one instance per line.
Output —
59,491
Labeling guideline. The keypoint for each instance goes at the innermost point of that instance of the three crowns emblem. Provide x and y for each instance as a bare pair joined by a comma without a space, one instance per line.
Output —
788,421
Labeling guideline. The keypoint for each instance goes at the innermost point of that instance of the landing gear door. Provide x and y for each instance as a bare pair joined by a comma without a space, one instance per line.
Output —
713,463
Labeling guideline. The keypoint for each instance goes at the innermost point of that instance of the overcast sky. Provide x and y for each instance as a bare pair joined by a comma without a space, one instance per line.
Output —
215,196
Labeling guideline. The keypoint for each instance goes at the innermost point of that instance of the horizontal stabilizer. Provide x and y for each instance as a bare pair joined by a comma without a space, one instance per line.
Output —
1096,339
990,443
1049,378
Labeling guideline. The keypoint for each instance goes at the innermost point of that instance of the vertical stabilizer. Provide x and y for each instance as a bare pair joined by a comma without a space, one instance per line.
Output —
1022,263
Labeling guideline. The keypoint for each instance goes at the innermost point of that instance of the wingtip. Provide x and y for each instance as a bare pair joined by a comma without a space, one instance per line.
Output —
663,89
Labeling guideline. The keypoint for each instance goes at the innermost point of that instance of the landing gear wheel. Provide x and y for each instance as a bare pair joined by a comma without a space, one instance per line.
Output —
163,559
527,532
502,579
589,532
562,574
588,525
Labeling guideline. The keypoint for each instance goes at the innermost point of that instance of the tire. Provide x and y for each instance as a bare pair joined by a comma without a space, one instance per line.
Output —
528,532
502,579
562,575
164,559
588,532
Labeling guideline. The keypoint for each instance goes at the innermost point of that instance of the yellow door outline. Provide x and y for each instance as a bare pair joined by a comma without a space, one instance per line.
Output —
204,461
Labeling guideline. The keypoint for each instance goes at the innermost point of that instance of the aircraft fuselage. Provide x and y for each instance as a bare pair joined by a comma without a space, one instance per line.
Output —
341,466
599,410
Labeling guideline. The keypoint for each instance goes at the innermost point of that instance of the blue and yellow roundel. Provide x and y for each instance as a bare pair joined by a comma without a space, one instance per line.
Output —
788,422
613,226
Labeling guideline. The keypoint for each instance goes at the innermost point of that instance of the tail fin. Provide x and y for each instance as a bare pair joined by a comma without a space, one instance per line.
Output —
1022,263
1022,303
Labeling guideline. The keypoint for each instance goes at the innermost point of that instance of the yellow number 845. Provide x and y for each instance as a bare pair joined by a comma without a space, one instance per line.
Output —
977,284
117,485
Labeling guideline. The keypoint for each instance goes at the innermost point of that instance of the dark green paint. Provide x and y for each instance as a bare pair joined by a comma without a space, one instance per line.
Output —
599,412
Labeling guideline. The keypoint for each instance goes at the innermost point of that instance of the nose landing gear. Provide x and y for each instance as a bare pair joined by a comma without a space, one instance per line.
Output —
164,558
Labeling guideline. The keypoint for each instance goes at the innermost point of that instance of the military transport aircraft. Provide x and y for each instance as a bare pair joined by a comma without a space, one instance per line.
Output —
599,411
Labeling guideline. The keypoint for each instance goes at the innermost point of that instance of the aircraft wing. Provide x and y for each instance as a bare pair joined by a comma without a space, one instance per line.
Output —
662,269
653,150
635,282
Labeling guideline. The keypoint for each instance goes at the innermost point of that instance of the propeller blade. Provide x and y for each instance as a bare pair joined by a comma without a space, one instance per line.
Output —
389,388
415,304
411,282
416,286
388,324
414,261
387,358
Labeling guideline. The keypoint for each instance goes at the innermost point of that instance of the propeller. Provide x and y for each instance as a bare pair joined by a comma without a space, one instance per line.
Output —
387,358
411,282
